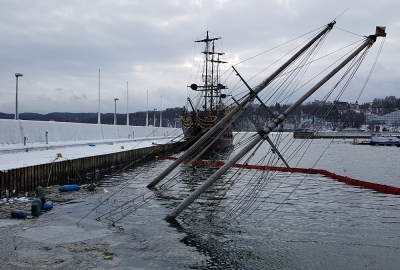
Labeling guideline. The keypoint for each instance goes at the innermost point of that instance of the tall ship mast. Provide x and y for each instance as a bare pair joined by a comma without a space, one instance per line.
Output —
208,108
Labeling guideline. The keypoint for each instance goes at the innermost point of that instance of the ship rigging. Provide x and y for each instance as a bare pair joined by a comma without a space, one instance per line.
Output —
201,115
239,110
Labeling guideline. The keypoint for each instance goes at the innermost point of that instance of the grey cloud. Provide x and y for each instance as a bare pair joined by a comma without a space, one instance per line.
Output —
60,48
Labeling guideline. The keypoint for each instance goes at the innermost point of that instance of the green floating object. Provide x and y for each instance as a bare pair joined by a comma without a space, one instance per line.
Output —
43,200
39,202
35,209
39,192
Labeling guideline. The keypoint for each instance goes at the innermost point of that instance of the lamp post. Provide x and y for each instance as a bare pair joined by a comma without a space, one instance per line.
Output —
98,105
127,107
147,110
154,124
16,94
115,111
161,112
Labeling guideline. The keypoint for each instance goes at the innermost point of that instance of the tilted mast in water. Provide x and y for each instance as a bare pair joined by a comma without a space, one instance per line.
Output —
263,134
235,112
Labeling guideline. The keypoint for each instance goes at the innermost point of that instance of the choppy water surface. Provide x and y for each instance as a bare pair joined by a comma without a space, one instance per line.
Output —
297,221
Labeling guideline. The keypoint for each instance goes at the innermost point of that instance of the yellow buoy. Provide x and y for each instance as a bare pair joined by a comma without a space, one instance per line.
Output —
59,155
122,147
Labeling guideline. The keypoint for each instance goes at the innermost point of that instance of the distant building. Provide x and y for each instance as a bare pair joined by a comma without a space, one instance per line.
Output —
341,105
354,106
317,102
390,119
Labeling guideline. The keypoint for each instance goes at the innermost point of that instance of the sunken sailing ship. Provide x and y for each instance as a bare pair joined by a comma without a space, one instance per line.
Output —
207,107
262,132
251,144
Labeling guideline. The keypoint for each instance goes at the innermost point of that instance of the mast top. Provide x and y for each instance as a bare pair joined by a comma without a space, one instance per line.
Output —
380,31
207,39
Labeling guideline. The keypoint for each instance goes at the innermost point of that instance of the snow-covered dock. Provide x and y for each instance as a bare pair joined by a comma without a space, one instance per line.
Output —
26,143
31,151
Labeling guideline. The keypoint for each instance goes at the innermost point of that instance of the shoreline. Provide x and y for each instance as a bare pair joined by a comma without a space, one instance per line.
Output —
54,240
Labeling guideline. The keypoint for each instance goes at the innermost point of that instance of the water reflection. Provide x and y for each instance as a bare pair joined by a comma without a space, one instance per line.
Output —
293,221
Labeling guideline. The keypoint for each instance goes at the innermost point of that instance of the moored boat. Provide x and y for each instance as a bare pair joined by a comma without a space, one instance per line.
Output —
384,140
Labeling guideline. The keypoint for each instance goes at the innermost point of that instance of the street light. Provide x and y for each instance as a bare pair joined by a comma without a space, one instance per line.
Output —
16,95
127,110
147,110
115,111
98,106
161,112
154,124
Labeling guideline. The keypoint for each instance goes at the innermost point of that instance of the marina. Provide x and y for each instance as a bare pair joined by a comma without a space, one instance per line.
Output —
268,201
319,223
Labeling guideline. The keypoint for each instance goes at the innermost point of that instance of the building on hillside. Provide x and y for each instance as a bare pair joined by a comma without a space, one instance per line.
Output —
354,106
341,105
317,102
390,119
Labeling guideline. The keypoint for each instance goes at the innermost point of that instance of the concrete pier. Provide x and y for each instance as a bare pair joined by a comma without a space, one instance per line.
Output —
26,142
306,134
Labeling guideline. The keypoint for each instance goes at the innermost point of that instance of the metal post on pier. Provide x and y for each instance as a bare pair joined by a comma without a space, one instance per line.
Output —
115,111
127,105
98,105
16,94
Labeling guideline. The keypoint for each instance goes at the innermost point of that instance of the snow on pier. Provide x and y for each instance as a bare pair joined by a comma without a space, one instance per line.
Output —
26,143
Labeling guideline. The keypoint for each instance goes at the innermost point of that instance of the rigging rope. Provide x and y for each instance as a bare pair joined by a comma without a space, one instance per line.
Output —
372,69
273,48
348,31
254,188
248,199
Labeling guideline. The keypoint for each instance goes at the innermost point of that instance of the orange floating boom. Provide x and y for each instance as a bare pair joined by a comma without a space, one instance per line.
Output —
351,181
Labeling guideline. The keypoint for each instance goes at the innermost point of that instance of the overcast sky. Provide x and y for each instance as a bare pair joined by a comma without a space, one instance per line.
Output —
59,47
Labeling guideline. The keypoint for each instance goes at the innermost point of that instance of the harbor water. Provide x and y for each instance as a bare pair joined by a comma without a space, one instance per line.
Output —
248,220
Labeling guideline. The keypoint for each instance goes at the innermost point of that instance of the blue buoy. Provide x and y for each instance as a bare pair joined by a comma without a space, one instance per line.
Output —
48,205
18,214
69,188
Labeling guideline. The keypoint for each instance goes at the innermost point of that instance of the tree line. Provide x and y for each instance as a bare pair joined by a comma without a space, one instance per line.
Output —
336,115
